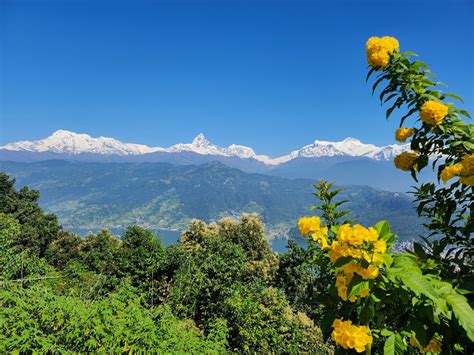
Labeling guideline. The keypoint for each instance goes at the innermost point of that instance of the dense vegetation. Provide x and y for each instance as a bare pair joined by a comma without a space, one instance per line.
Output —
159,195
417,300
221,288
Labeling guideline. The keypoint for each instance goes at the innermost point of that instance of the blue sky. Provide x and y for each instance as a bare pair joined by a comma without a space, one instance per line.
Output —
274,75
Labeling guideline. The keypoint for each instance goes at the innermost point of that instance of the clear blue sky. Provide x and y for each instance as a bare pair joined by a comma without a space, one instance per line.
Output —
274,75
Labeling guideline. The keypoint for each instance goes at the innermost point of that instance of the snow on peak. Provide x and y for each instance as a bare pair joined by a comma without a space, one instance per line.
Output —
200,141
66,142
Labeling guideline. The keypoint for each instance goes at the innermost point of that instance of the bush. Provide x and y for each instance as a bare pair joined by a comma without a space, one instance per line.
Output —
36,319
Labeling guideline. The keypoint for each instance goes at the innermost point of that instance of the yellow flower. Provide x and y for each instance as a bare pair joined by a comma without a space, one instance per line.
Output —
341,284
312,226
403,133
380,246
467,180
351,336
371,272
356,235
467,170
450,171
321,239
468,165
378,51
405,161
433,112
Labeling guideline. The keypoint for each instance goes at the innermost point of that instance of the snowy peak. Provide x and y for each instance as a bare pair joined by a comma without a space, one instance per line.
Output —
70,143
349,147
200,141
66,142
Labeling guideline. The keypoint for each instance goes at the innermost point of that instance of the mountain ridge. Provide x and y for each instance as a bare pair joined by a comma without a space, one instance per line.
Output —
73,144
163,195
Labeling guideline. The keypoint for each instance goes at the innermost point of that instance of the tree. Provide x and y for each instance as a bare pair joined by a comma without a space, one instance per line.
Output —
139,257
37,228
64,249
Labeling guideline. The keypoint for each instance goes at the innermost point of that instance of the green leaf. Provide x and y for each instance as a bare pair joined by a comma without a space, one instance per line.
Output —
465,113
358,287
453,96
462,311
389,111
389,97
386,332
394,345
342,261
377,82
382,228
369,74
409,273
326,323
419,251
410,54
387,259
420,332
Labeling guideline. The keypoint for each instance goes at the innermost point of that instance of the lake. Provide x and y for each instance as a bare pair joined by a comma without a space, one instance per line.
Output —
169,237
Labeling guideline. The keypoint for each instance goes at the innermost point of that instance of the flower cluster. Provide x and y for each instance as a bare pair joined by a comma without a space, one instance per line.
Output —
357,242
406,161
402,134
379,49
345,275
467,171
311,226
433,112
464,169
361,244
351,336
434,346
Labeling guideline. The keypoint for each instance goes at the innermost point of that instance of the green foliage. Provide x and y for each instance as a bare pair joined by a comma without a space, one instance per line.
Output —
298,279
225,275
168,197
139,256
247,233
205,280
328,207
37,319
64,249
448,208
37,229
17,264
99,252
331,215
105,294
413,300
261,320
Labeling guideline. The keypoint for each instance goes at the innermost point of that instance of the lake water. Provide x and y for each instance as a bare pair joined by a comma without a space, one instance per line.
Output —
169,237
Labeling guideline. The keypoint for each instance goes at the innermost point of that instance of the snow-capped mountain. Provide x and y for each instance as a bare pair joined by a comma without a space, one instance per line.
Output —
348,162
65,142
69,143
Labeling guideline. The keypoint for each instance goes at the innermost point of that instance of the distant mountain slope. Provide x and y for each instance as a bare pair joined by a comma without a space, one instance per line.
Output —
160,195
347,162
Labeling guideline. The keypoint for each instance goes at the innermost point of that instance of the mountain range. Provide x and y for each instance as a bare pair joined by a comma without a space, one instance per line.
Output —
347,162
74,144
162,195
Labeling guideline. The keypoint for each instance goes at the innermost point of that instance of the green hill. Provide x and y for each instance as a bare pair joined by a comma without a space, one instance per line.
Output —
160,195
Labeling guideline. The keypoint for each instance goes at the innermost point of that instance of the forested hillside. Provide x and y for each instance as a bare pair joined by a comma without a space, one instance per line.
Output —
159,195
221,289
